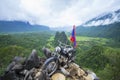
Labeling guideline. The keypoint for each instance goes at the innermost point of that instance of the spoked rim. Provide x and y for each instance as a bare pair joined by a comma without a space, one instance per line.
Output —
51,68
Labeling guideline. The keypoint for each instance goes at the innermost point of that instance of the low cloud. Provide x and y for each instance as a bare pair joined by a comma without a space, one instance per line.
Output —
55,13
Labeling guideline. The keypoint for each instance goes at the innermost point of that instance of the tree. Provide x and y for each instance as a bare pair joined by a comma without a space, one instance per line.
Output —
112,69
94,58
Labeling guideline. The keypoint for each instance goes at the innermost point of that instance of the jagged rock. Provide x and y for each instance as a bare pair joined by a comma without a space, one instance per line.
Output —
31,70
76,72
16,64
33,60
73,72
47,52
9,76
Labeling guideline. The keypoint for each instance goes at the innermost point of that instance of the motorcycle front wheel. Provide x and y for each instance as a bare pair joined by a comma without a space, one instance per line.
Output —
50,65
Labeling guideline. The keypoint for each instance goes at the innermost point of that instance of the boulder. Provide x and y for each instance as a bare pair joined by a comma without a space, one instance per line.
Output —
32,61
47,52
76,72
58,76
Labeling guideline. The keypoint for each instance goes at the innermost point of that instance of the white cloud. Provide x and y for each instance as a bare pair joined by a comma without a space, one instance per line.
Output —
55,12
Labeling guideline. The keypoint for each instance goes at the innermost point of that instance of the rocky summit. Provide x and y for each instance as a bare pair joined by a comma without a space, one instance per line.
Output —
32,68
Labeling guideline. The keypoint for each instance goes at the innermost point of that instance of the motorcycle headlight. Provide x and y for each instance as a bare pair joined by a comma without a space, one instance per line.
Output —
58,49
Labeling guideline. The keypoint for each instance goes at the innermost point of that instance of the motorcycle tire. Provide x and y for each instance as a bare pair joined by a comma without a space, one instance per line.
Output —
50,65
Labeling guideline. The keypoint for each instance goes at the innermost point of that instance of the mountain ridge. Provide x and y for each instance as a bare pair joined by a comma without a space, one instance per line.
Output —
109,30
21,26
104,19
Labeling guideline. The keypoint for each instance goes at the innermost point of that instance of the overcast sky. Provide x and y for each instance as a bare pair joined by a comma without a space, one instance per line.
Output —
55,13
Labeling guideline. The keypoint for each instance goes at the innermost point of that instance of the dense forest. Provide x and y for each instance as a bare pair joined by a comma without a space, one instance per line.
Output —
20,44
107,31
101,55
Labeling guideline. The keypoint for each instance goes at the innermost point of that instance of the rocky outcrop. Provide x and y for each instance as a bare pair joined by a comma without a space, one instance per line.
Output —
30,69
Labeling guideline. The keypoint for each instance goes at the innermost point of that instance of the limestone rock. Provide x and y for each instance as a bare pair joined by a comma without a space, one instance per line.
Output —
76,72
58,76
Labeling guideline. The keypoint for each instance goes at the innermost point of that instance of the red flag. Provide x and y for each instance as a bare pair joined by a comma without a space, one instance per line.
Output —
73,37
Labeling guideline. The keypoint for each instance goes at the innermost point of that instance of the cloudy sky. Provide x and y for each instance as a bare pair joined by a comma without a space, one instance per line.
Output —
55,13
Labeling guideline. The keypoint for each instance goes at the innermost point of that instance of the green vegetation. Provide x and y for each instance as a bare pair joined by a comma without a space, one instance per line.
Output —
20,44
102,55
106,31
112,68
100,51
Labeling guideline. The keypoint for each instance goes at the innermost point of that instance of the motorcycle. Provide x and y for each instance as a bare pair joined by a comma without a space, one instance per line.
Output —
61,57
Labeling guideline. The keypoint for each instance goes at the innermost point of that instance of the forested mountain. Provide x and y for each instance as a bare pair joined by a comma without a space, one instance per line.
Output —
60,36
109,31
19,26
107,25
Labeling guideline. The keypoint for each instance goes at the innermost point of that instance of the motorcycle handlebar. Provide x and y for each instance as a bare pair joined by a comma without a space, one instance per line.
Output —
64,45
